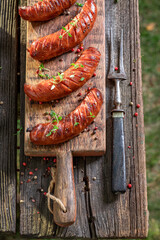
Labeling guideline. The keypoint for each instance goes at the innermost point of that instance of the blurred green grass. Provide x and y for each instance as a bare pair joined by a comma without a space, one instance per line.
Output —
150,47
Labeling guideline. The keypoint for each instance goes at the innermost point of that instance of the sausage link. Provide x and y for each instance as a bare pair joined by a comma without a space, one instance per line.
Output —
70,126
65,39
45,10
74,77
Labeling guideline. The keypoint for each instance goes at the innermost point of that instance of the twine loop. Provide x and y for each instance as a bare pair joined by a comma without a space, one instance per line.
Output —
52,197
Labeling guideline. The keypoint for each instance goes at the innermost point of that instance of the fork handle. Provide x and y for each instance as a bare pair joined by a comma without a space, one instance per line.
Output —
118,164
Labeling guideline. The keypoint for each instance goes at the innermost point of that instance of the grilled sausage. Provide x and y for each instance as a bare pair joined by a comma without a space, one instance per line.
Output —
73,78
71,125
67,38
45,10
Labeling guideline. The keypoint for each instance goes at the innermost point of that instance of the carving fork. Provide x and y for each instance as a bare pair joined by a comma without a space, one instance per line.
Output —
118,161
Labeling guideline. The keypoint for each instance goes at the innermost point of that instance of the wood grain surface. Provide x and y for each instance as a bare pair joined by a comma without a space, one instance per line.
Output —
100,214
8,117
85,143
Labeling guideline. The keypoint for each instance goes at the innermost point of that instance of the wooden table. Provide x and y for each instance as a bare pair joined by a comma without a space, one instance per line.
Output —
100,214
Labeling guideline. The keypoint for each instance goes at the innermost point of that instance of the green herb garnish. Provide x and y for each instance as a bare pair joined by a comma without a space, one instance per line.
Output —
76,124
91,115
41,67
76,66
79,4
67,31
18,132
82,79
52,130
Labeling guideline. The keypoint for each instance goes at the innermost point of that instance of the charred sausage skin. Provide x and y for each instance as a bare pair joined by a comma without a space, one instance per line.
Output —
63,41
45,10
72,125
74,77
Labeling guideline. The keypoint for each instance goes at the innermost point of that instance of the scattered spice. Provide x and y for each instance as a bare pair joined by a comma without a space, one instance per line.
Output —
131,103
72,50
129,147
29,180
36,169
79,94
24,164
35,177
95,128
81,48
44,193
48,169
21,182
54,160
94,74
116,68
30,173
129,186
33,200
136,114
138,106
44,159
78,50
130,83
40,103
94,178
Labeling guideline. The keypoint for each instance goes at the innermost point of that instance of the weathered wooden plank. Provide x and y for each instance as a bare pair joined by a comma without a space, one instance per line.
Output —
8,118
123,216
100,213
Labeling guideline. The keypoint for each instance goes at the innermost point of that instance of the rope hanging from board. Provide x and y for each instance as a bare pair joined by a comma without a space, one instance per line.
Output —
52,197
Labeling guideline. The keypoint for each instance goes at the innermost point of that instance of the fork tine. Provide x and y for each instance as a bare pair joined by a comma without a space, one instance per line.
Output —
111,69
121,65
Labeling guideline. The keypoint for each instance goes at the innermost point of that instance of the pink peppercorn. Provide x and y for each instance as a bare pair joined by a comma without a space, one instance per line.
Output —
136,114
44,159
129,185
129,147
49,169
81,48
30,173
116,68
30,99
45,193
54,160
130,83
138,106
72,50
40,103
24,164
95,128
94,74
78,50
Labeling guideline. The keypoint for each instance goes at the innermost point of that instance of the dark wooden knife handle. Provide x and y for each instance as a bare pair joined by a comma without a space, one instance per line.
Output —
118,164
65,190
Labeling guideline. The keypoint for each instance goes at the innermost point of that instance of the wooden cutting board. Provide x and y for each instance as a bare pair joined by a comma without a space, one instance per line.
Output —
86,143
